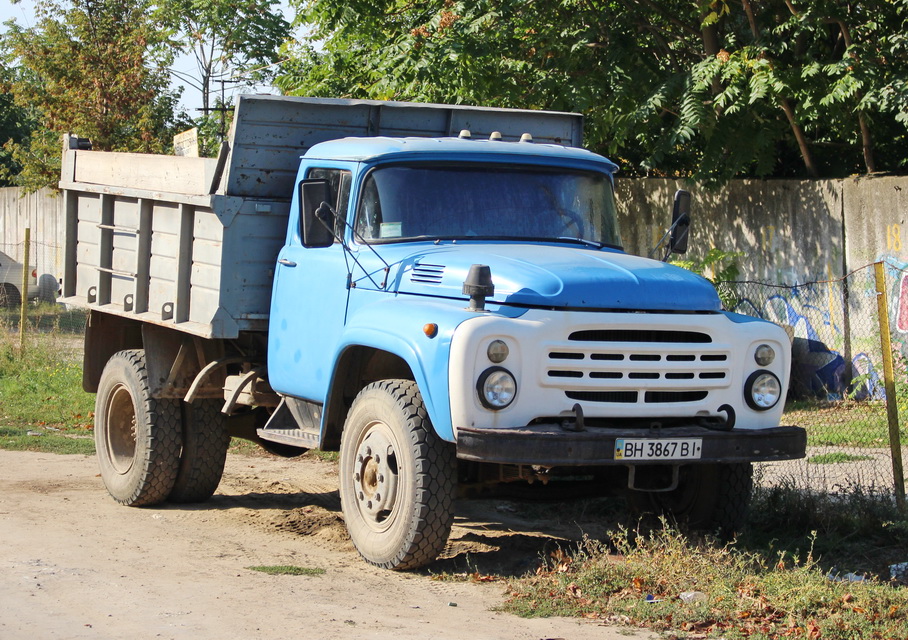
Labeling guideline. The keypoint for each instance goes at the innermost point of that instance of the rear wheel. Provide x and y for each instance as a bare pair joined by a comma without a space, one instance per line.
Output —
137,437
205,444
397,478
709,497
9,296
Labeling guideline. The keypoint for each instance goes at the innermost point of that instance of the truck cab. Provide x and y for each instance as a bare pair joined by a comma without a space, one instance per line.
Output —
569,353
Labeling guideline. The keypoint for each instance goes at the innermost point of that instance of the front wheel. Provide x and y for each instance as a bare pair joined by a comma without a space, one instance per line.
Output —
709,497
397,478
137,437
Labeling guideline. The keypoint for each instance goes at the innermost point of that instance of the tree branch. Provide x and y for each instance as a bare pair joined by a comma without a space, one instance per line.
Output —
751,19
806,156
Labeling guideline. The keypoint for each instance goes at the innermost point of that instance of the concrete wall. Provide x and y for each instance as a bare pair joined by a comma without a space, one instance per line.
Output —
790,231
875,211
43,213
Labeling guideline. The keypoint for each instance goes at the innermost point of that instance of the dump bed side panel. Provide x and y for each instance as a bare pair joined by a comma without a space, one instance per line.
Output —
202,268
270,133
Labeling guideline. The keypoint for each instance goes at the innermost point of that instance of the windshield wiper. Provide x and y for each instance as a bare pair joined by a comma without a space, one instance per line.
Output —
591,243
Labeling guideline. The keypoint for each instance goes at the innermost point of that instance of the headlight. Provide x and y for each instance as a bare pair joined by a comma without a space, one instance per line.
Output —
764,355
762,391
498,351
497,388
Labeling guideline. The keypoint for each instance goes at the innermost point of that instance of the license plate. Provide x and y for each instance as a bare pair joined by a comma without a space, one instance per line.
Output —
658,449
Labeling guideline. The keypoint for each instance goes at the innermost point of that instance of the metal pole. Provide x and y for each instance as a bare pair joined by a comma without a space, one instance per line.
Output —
895,446
24,297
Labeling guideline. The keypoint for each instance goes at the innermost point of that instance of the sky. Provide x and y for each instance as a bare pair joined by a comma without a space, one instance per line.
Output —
23,12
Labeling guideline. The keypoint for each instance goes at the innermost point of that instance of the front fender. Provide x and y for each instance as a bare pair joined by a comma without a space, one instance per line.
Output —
395,325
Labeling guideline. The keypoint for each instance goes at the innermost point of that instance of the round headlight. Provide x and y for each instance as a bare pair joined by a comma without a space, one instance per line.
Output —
497,388
764,355
762,391
498,351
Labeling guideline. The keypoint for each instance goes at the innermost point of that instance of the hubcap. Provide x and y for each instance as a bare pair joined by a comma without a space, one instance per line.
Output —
121,429
375,476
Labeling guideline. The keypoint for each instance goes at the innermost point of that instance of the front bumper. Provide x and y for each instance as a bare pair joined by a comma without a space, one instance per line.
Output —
550,445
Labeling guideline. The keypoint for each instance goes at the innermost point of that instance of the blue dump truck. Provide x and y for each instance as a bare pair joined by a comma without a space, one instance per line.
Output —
437,292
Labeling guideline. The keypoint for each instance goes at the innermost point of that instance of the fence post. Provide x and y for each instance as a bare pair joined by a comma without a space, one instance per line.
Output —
895,446
23,302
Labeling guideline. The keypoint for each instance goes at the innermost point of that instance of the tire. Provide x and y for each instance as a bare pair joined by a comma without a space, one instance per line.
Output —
10,297
205,444
137,437
397,478
709,497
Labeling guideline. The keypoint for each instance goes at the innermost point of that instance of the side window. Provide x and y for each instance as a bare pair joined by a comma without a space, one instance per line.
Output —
339,184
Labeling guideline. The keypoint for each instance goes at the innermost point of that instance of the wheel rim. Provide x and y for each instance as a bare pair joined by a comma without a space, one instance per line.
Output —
376,477
121,429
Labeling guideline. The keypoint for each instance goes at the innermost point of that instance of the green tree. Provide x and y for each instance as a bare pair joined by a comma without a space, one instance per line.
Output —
232,41
708,89
16,124
93,67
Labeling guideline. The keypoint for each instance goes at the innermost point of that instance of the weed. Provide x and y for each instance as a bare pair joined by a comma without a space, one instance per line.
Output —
288,570
324,456
857,527
719,267
638,579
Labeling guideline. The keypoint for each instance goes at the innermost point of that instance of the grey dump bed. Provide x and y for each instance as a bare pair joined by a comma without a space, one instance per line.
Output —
191,242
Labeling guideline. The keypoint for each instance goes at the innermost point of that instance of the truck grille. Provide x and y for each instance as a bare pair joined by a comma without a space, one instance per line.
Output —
630,366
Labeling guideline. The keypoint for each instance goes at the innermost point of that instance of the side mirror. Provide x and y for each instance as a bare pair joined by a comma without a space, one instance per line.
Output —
677,242
316,231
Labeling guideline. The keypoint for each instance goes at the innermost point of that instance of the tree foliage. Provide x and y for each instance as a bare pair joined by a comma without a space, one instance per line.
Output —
94,67
706,89
16,124
230,40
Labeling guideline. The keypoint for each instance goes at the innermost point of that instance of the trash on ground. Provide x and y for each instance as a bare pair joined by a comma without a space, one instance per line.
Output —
692,597
835,576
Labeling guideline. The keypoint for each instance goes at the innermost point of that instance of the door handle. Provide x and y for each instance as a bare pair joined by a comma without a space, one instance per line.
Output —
287,263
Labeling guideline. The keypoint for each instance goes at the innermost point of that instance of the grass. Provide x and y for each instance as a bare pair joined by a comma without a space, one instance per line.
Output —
42,405
45,440
46,317
844,424
288,570
836,458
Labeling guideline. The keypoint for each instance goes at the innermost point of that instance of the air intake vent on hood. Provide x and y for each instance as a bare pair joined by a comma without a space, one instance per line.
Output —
427,273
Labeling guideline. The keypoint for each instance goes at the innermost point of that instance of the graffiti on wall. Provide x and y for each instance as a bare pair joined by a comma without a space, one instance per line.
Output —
831,358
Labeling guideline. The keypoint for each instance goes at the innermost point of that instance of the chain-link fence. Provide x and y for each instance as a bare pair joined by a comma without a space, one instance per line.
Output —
849,384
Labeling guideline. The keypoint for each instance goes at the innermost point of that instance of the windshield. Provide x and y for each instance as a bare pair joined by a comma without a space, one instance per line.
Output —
487,202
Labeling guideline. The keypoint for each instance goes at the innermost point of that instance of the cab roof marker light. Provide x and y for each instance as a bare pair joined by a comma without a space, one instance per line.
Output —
465,134
495,135
526,137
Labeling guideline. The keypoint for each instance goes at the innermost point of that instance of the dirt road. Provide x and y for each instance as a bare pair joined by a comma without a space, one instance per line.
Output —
73,564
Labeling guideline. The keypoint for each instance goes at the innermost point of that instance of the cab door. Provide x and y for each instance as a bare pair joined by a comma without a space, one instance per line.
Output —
309,300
